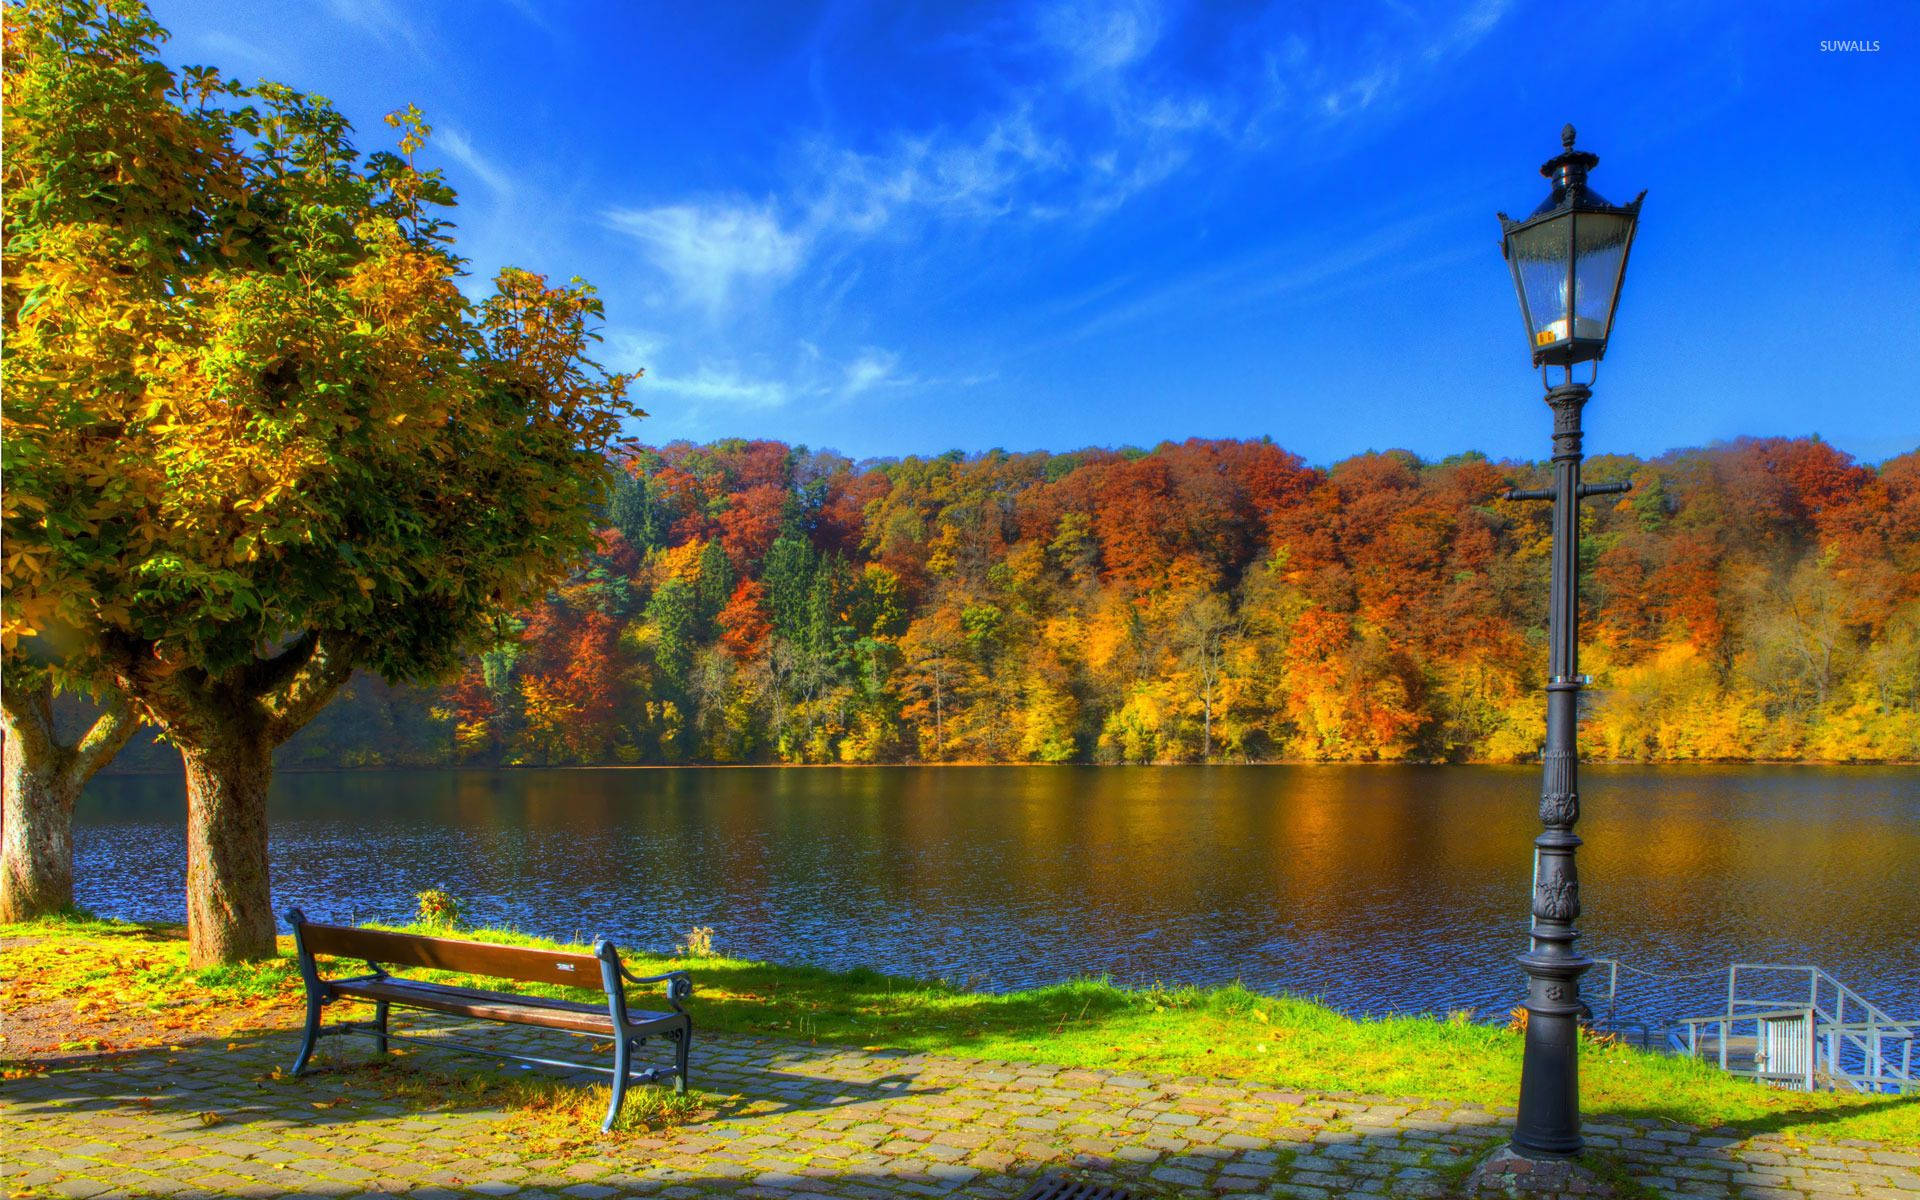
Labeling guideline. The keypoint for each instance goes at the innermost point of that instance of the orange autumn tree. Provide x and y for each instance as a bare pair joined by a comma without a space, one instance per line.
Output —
256,435
743,622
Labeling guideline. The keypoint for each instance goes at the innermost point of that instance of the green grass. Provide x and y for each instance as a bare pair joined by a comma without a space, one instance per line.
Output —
1283,1042
99,960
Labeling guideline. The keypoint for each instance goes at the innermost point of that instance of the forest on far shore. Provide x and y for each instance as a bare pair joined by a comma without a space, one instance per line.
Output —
1213,601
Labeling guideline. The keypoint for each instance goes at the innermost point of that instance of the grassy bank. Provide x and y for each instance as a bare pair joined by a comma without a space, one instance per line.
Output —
97,975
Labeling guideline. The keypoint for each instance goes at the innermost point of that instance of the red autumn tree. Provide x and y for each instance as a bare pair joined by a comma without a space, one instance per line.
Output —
744,624
750,524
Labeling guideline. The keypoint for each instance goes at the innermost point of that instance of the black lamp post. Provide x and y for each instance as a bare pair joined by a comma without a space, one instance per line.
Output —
1568,259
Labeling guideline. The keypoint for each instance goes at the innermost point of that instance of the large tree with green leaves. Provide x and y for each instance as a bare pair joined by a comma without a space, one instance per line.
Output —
257,437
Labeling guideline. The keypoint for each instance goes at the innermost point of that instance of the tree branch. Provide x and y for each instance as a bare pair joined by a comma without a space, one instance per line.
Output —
104,739
28,701
269,674
303,694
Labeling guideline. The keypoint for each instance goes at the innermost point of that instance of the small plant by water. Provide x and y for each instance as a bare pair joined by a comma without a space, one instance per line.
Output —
1517,1023
441,910
697,944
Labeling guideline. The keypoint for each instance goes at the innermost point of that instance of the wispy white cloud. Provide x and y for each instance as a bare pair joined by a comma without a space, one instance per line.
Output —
810,375
224,47
724,387
1103,103
1114,116
461,149
710,249
380,18
1473,23
1353,95
1101,37
976,175
1291,268
536,15
630,349
1332,77
872,369
1105,123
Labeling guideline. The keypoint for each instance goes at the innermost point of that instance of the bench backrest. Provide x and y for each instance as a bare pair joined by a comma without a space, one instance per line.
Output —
388,948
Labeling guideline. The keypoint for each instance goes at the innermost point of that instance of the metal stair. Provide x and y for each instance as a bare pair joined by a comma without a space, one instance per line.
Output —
1816,1035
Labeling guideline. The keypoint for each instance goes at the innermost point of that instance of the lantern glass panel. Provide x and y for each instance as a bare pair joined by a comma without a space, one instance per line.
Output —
1540,265
1599,247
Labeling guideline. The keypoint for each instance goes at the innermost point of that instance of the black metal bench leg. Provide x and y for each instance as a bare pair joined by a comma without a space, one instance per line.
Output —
380,1025
683,1042
622,1072
311,1036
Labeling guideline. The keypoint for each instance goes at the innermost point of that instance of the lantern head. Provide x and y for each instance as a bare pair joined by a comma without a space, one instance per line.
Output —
1568,259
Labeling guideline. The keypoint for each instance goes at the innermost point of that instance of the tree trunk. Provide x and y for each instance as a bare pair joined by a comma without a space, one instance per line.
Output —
36,835
229,899
43,778
939,721
226,727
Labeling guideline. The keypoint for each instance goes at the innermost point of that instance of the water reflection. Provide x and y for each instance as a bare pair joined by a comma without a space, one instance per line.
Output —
1376,888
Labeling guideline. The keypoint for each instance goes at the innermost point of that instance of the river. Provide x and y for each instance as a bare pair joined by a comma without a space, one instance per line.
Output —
1376,888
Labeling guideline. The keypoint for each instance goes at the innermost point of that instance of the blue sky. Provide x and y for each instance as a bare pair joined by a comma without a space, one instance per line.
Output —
902,228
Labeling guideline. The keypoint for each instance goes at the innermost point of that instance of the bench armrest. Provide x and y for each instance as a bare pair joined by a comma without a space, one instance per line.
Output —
310,966
679,984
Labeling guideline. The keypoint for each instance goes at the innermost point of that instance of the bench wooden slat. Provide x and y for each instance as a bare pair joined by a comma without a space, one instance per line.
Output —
453,954
493,1006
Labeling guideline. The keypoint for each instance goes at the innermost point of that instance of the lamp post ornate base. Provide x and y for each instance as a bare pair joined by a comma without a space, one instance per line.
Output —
1513,1176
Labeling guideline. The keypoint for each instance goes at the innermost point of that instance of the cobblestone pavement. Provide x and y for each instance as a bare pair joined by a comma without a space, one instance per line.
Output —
798,1120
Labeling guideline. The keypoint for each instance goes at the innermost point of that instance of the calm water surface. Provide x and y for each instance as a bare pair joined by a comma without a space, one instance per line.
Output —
1375,888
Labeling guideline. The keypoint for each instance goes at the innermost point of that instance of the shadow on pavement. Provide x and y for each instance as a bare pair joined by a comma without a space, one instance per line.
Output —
1770,1123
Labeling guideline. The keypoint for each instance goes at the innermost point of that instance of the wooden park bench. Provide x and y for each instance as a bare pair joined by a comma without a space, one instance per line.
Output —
381,949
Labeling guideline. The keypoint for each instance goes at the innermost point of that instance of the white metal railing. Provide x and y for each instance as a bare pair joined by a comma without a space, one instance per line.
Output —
1828,1036
1636,1026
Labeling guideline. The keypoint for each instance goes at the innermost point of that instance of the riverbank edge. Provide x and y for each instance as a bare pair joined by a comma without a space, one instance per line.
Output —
1224,1032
